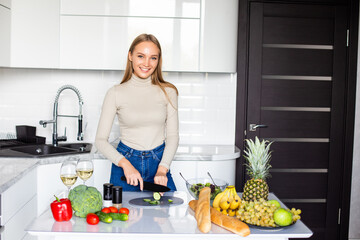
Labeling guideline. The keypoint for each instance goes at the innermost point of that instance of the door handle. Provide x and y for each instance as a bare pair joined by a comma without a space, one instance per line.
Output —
253,126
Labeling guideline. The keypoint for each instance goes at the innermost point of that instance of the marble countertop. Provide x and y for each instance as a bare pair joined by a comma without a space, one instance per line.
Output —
12,169
154,222
198,152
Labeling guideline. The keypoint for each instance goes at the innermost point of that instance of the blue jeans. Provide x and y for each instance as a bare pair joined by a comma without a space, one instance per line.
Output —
146,162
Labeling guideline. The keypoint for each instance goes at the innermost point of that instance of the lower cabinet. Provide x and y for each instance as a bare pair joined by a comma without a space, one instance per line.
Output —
102,171
19,207
50,184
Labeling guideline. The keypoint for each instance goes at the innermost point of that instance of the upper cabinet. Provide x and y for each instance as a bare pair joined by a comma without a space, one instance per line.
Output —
35,33
195,35
5,22
98,35
219,29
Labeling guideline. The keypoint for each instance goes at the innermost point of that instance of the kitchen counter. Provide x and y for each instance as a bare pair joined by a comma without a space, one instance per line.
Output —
151,222
198,152
12,169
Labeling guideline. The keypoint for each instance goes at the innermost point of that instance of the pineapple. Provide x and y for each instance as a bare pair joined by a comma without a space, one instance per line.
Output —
258,157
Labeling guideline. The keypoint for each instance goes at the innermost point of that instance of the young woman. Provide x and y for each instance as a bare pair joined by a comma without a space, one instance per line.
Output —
146,107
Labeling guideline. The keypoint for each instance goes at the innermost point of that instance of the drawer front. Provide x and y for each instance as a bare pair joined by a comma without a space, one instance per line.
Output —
14,229
14,198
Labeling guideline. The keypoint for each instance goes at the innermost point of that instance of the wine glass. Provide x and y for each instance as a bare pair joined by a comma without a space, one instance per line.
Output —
85,168
68,172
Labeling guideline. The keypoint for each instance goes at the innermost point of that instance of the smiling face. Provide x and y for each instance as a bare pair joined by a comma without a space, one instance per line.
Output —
145,59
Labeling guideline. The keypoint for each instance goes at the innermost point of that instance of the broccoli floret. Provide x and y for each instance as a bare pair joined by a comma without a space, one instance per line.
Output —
85,200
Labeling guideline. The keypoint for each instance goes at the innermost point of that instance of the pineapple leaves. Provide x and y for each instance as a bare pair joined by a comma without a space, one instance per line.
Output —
258,156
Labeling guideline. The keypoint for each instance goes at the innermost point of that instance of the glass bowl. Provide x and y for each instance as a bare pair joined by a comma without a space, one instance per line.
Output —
194,185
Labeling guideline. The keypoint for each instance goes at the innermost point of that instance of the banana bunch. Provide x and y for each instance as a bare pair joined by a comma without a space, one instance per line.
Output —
227,201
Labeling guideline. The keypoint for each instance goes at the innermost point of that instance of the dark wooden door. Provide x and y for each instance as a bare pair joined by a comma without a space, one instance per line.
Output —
296,87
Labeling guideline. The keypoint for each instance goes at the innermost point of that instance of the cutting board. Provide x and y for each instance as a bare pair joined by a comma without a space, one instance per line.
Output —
163,202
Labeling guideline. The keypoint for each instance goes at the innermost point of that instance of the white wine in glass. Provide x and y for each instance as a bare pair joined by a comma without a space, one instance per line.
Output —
85,168
68,172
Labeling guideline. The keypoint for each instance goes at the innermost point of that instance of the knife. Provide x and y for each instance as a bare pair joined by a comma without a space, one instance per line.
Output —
152,186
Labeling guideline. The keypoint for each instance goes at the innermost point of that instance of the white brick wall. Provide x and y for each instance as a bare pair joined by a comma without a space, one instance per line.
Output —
206,102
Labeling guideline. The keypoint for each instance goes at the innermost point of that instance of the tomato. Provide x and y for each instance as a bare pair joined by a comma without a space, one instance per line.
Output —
113,209
124,210
106,210
92,219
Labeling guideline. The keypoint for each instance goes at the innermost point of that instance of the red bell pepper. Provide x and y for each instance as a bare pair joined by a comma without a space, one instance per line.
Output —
61,209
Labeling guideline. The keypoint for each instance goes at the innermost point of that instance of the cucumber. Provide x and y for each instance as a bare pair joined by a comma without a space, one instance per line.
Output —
155,202
170,200
156,196
146,200
104,217
119,216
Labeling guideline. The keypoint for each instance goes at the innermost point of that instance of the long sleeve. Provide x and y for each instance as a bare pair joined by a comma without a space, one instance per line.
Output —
108,113
172,129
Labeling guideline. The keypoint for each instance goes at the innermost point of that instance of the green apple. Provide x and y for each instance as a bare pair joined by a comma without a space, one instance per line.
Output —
282,217
276,203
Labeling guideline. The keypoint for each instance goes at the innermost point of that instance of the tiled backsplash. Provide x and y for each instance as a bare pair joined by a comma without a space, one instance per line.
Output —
206,102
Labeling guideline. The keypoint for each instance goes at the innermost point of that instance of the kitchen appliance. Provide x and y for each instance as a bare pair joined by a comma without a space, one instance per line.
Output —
152,186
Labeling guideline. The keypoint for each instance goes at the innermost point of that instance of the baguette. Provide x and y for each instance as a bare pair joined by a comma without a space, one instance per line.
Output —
229,223
202,211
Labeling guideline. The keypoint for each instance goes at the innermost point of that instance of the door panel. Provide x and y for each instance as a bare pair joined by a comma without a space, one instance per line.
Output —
299,62
295,124
297,185
300,155
298,93
296,86
298,30
313,214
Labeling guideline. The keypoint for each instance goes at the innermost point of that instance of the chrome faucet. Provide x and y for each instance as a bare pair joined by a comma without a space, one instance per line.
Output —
55,137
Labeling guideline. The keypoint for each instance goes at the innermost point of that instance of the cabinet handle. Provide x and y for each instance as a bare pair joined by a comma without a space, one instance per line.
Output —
253,126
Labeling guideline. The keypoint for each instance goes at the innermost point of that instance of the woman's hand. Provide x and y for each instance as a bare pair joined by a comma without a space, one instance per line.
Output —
132,175
160,176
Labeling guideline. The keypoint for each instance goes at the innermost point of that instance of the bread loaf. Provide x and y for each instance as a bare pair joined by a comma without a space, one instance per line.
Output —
202,210
229,223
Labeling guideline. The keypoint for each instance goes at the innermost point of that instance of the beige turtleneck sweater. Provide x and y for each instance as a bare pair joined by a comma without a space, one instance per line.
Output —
146,119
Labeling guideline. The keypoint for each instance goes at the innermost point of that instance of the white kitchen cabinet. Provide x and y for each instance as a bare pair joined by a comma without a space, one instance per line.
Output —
5,22
134,8
6,3
195,35
89,42
102,171
50,184
35,33
18,207
219,28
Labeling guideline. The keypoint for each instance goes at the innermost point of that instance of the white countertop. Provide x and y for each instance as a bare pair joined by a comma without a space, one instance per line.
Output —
153,222
12,169
198,152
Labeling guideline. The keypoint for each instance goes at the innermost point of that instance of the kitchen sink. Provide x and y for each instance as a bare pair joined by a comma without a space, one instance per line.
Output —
46,150
42,149
82,147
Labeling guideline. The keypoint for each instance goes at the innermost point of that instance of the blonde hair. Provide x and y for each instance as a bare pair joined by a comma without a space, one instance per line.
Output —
156,76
